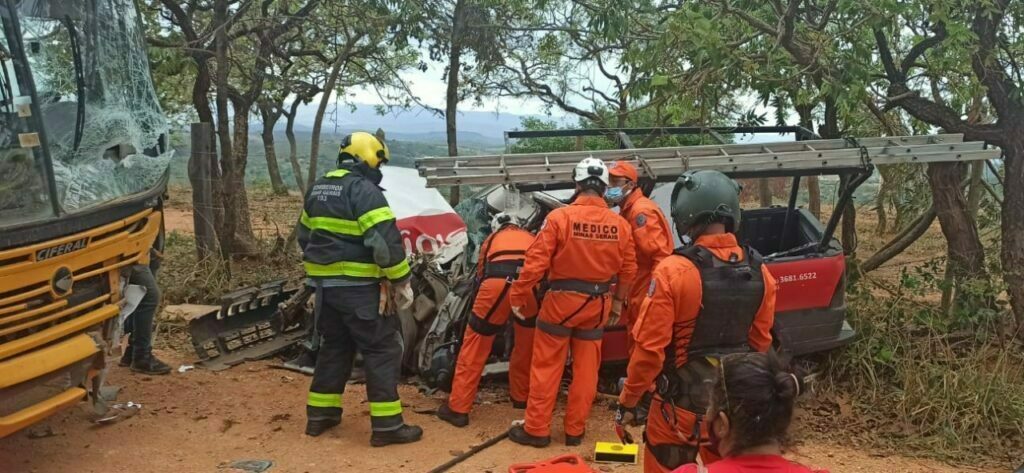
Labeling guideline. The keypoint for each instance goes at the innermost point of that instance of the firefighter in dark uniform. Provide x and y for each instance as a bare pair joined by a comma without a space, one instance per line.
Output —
350,243
707,300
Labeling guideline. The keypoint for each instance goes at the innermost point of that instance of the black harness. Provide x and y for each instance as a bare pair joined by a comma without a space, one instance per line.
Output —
732,292
507,270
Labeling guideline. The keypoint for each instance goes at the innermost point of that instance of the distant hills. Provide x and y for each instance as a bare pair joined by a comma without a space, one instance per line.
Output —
478,129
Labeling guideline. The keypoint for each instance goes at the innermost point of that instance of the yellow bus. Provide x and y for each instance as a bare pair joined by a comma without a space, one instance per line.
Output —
83,169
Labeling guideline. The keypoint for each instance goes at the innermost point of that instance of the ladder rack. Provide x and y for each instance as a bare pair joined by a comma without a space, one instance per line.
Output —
811,157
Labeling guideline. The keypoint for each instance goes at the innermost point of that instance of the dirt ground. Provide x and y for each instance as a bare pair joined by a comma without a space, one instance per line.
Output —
201,421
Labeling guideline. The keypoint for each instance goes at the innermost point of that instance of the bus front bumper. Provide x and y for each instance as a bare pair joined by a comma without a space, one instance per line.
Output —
42,382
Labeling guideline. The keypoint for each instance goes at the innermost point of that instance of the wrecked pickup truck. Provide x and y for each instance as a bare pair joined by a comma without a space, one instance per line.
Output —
806,259
810,307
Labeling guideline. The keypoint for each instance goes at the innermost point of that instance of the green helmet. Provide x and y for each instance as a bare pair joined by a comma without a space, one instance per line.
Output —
702,196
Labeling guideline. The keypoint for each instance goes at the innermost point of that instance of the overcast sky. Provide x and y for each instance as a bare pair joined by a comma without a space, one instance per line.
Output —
430,87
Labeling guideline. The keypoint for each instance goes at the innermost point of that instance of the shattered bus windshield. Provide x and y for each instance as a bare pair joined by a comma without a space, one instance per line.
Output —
24,188
105,132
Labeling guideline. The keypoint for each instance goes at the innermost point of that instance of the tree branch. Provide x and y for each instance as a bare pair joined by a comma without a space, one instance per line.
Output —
602,94
885,55
826,16
926,110
922,47
989,71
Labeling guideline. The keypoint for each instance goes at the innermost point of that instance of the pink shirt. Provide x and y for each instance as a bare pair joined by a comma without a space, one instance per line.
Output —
750,464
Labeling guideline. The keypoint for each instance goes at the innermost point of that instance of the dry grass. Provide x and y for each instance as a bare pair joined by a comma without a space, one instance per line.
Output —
918,382
185,279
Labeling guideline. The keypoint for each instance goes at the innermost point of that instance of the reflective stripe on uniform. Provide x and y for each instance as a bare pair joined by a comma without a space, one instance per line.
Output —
357,270
385,409
344,268
375,216
397,271
337,173
323,400
331,224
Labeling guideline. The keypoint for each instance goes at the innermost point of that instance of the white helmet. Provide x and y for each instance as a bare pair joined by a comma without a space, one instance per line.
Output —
502,219
588,168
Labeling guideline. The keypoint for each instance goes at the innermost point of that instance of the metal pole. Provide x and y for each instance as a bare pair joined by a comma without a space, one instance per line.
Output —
790,211
849,185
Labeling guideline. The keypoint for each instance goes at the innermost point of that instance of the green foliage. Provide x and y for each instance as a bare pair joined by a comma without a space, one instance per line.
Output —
548,145
950,390
559,144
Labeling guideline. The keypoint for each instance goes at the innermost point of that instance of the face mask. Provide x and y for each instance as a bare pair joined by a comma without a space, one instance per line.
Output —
614,194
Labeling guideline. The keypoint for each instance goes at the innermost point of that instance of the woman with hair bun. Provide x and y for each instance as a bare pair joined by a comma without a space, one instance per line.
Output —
751,409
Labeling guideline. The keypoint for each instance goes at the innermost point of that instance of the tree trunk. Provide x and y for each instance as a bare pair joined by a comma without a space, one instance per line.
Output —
318,122
293,147
271,115
452,92
883,217
975,189
1013,221
830,130
237,202
850,238
201,90
966,254
900,242
814,196
227,232
764,191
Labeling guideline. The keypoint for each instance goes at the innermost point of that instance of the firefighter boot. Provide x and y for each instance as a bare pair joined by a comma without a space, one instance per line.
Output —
149,364
318,426
404,434
126,358
454,418
573,440
519,435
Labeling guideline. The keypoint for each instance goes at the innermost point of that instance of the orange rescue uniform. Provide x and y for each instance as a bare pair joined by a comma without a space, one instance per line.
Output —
500,255
669,316
653,238
584,244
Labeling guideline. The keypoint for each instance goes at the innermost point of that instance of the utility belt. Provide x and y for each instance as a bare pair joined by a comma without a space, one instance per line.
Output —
688,386
593,291
503,269
589,288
